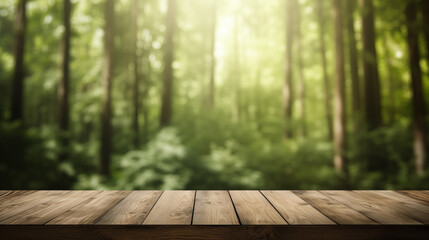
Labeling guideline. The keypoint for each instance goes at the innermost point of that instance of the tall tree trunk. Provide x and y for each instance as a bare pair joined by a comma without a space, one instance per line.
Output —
213,56
301,81
167,91
339,92
425,13
237,69
372,83
354,68
328,109
136,140
17,100
288,84
106,114
417,88
63,88
389,75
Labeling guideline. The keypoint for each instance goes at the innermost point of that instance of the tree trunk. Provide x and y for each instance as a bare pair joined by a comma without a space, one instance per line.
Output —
167,91
417,88
301,81
213,56
237,69
425,13
136,105
288,85
326,84
339,92
372,83
17,100
63,88
354,68
106,114
390,88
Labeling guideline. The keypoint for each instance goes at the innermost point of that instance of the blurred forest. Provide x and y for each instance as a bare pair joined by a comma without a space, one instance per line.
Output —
214,94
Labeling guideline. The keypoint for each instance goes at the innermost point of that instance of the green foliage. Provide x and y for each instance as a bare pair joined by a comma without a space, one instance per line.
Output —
237,144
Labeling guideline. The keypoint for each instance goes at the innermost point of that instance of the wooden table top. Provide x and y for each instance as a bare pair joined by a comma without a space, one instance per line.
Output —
214,207
367,209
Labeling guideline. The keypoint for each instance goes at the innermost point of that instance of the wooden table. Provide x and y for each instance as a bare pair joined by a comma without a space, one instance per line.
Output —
214,214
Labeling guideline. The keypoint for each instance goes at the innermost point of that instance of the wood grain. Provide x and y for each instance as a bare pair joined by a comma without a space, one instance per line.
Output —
88,211
14,206
335,210
294,209
173,207
372,206
9,196
214,208
406,205
253,208
45,211
133,209
421,196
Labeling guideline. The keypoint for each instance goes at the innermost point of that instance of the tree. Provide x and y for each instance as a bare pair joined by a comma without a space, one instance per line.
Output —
212,56
301,81
17,100
328,111
63,87
418,102
288,84
354,69
167,90
106,114
136,104
339,91
373,116
425,13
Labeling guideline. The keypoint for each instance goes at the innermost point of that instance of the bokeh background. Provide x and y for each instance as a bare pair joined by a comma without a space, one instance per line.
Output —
214,94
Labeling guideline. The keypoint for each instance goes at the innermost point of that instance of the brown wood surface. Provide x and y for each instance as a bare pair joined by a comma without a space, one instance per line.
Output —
88,211
372,206
294,209
335,210
214,208
44,212
421,196
253,208
173,207
21,204
133,209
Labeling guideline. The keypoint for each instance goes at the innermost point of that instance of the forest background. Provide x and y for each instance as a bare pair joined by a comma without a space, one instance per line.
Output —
214,94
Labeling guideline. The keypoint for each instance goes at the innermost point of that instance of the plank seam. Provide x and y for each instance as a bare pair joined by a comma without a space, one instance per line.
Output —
352,208
71,208
235,210
193,207
150,210
294,192
108,210
273,207
20,211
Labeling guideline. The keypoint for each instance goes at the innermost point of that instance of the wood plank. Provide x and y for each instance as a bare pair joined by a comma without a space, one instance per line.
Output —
45,211
14,206
294,209
253,208
406,205
214,208
88,211
335,210
421,196
9,197
371,206
173,207
133,209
